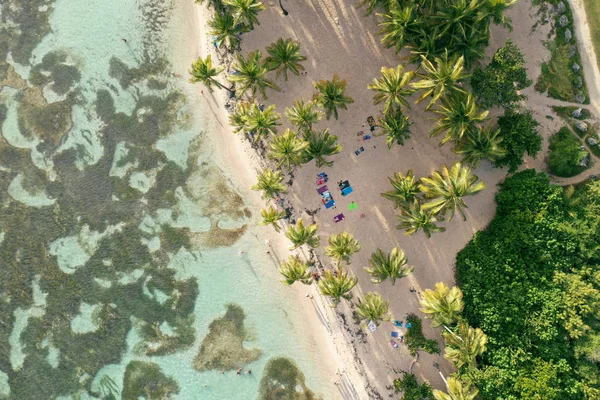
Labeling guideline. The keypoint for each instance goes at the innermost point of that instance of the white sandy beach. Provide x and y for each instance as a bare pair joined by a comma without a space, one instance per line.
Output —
338,38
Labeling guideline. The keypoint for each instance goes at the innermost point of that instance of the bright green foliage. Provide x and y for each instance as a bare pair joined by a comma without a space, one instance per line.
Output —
204,71
396,126
287,149
271,216
495,9
237,119
479,144
284,55
464,345
443,305
330,95
440,77
392,266
415,340
270,183
446,190
262,122
300,234
226,31
458,116
392,88
371,4
341,247
565,154
457,390
519,136
295,270
410,388
372,307
531,283
414,217
303,114
498,84
405,189
250,74
320,145
337,286
399,26
245,12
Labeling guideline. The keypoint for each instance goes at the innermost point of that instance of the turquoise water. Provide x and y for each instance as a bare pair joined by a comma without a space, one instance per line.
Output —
120,237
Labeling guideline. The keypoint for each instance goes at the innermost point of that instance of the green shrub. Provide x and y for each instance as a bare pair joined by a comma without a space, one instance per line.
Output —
411,388
415,340
565,154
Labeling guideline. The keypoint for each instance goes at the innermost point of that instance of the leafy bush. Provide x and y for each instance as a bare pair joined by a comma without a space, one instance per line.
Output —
415,340
519,136
411,388
565,154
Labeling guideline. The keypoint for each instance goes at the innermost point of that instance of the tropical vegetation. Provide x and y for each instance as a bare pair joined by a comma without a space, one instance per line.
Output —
443,305
396,126
320,145
284,55
405,189
372,307
413,217
299,234
250,74
390,266
245,12
566,154
337,285
271,216
341,247
270,183
392,88
288,149
303,114
203,71
295,270
331,96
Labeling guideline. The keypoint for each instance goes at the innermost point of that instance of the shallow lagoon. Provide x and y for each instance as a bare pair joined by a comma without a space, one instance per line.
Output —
116,256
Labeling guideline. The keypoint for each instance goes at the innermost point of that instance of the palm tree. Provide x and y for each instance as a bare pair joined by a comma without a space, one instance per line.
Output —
203,71
225,31
303,114
251,74
341,247
446,190
459,115
441,78
287,149
330,95
262,122
426,46
396,126
299,235
295,270
463,346
284,55
337,286
443,305
238,119
245,12
270,182
457,390
321,144
479,144
456,16
372,307
494,11
371,4
271,216
392,88
405,190
399,26
470,44
392,266
413,217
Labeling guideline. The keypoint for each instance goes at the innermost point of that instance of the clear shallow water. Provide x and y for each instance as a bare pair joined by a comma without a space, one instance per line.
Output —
120,236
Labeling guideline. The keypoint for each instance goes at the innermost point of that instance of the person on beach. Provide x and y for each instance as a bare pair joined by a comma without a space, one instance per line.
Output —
124,40
239,371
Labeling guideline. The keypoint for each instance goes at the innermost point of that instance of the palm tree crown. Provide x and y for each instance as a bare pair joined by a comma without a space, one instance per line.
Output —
441,78
330,95
321,144
262,122
459,115
203,71
303,114
245,12
446,190
413,217
399,26
443,305
225,30
396,126
237,119
288,149
284,55
300,234
270,183
271,216
295,270
480,144
392,88
337,286
494,11
405,191
372,307
342,246
463,346
392,266
457,390
250,74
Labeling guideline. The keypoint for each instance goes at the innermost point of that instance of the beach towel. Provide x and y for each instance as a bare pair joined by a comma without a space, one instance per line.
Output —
408,325
339,217
397,323
330,204
366,137
357,152
371,121
394,344
372,326
343,184
352,206
394,334
322,175
321,181
322,189
347,191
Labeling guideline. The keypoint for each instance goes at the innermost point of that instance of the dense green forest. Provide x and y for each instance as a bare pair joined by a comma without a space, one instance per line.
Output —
531,282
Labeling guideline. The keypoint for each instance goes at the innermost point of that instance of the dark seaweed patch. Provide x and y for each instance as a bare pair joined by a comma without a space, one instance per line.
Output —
281,380
146,379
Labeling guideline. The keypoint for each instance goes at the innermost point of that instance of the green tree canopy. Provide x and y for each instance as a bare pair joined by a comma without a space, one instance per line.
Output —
519,136
331,95
285,55
392,266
